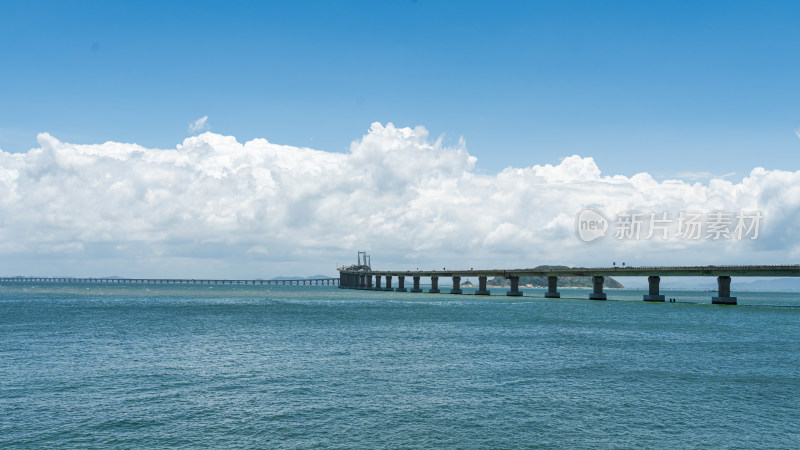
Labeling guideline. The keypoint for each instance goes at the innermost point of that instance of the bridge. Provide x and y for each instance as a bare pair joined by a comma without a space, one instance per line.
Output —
361,277
287,282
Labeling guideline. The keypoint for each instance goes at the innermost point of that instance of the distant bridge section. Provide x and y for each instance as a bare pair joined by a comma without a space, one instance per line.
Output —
287,282
362,278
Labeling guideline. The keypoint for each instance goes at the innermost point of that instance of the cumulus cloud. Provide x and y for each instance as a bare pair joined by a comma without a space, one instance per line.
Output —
199,125
702,175
213,206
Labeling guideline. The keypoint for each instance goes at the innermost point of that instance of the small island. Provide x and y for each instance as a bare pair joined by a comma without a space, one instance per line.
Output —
563,281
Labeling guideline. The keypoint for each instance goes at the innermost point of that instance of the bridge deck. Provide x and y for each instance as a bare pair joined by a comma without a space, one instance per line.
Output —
700,271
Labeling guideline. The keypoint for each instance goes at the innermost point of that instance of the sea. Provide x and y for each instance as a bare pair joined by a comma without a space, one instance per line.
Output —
211,366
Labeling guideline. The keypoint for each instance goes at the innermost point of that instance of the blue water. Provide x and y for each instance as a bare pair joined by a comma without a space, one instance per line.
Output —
300,367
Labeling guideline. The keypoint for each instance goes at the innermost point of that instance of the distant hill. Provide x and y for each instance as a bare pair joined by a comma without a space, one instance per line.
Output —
775,284
563,281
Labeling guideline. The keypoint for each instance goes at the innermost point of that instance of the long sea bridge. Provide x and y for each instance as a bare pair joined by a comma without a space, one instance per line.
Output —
282,282
363,277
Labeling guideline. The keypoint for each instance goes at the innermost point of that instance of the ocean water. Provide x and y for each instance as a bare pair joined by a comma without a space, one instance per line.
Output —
317,367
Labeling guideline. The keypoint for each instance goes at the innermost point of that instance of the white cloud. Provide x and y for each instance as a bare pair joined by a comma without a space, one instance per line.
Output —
702,175
199,125
213,206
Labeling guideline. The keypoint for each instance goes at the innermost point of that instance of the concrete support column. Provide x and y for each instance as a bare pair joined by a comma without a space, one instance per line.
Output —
377,282
401,283
362,281
434,285
724,293
456,285
482,287
416,284
653,295
597,293
388,283
552,287
514,292
369,281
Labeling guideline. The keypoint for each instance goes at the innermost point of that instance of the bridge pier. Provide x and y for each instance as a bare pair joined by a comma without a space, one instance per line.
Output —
388,283
401,283
724,292
456,285
514,292
597,293
378,283
434,285
416,284
653,295
552,287
482,286
369,281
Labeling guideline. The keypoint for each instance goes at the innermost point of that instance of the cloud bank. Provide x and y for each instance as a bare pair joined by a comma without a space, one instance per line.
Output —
213,206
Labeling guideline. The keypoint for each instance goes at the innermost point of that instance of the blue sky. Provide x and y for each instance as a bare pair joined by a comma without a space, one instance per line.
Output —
664,87
649,106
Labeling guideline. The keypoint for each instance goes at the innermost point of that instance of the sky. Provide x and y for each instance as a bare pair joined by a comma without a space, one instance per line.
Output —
259,139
